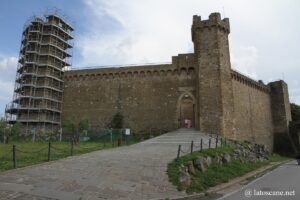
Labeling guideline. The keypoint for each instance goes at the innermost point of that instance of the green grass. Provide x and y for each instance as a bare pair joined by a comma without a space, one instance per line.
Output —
30,153
215,174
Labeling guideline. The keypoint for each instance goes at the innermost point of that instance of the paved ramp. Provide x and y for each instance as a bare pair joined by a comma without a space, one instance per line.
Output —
130,172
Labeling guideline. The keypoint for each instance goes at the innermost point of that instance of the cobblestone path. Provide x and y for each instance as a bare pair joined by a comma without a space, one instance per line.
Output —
129,172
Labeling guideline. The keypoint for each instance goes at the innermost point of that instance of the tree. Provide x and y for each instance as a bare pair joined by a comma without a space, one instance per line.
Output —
117,121
9,131
83,125
74,128
15,130
2,130
69,128
295,110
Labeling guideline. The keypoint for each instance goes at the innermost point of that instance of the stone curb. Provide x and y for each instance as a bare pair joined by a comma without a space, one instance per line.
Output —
242,180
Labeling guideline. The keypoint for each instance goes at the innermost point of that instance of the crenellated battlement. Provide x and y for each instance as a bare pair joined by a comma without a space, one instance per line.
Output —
249,82
129,72
183,60
214,20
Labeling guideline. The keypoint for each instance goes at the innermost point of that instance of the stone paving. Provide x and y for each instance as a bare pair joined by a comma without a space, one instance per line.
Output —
130,172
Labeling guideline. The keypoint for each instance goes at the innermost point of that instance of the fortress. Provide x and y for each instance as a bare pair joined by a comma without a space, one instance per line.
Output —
198,90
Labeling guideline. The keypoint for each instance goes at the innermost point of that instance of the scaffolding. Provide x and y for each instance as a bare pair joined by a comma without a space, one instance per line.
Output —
45,52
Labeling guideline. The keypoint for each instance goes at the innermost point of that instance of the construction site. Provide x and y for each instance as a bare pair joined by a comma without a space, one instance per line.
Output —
46,49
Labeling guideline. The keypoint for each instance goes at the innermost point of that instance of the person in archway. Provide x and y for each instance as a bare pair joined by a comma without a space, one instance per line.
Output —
186,123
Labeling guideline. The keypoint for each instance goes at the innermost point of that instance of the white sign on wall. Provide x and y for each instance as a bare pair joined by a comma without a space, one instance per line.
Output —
127,131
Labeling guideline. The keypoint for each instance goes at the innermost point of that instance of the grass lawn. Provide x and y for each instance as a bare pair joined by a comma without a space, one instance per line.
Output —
30,153
215,174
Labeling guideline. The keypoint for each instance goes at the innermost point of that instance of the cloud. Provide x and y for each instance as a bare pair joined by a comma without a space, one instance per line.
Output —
8,66
294,91
8,62
244,59
125,33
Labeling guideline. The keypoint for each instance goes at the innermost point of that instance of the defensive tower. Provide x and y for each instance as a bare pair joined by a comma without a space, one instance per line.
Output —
214,92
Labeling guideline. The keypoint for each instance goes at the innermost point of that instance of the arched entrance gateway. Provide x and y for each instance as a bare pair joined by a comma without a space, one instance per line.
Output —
186,111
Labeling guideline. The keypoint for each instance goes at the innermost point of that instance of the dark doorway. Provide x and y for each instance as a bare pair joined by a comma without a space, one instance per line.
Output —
187,112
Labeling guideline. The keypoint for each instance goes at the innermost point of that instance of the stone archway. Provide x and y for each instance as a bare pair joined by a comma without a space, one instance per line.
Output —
186,111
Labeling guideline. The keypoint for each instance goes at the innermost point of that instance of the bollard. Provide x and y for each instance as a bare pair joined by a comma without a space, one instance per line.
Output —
14,156
201,144
178,152
209,143
72,146
49,151
192,146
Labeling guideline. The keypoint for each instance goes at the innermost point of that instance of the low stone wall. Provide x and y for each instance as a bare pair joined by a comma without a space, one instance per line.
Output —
243,152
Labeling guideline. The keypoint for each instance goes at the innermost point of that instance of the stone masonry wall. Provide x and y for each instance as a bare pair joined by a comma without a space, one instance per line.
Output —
223,101
215,96
252,111
146,95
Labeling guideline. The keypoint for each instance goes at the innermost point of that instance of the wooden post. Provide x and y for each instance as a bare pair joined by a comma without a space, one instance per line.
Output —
14,156
49,151
201,144
192,146
72,146
178,152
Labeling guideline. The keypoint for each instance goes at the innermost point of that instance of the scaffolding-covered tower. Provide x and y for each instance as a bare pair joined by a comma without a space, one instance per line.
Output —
44,56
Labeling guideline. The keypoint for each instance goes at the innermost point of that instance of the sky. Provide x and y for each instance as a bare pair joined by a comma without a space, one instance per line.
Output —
264,39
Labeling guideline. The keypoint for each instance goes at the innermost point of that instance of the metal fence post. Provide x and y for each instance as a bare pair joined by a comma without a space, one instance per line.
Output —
178,152
72,146
14,156
209,143
216,142
192,146
111,136
49,151
201,144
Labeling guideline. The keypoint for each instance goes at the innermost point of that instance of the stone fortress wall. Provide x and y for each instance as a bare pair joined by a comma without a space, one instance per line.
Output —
146,95
199,86
252,110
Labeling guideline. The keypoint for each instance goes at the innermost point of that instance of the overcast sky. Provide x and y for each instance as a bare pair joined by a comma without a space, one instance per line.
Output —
264,38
